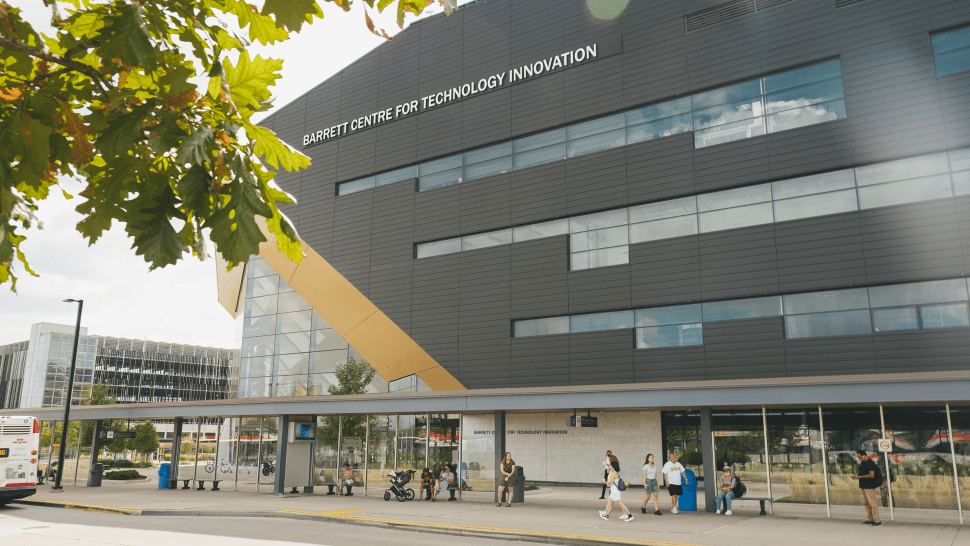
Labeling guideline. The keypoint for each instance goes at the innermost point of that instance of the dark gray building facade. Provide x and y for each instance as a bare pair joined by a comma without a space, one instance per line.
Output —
686,191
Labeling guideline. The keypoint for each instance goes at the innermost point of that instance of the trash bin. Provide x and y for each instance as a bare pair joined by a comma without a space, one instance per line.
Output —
94,476
688,501
163,470
518,485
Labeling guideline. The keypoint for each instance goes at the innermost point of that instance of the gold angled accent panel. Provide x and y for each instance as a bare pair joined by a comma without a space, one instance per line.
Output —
372,333
229,284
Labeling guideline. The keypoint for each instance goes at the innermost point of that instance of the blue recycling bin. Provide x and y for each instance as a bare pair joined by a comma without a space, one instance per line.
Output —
688,501
163,471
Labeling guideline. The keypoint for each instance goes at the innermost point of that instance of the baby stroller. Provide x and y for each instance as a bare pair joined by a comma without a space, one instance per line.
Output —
398,481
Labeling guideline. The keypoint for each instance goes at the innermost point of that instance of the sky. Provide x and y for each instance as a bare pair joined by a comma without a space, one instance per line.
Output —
175,304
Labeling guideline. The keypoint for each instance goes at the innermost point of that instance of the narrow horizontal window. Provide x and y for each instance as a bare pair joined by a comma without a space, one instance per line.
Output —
660,128
810,185
832,300
729,132
724,114
356,185
600,258
539,156
743,309
951,51
448,246
724,95
658,111
489,153
663,229
595,127
961,183
917,293
539,231
906,191
662,316
806,95
540,140
734,198
396,176
816,205
596,143
895,319
439,179
951,315
601,238
903,169
680,335
488,168
663,209
485,240
598,221
806,115
841,323
750,215
439,165
541,327
615,320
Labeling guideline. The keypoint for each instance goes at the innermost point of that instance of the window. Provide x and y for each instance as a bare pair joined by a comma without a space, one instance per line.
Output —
805,96
951,51
729,113
442,172
396,176
680,335
539,231
735,208
541,327
484,240
950,315
831,313
816,195
916,293
895,319
742,309
448,246
905,181
615,320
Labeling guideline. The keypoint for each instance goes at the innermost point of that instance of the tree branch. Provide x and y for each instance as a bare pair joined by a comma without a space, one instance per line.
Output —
56,59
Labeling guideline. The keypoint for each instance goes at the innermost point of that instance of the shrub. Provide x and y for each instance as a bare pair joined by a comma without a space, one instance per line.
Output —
123,475
143,464
124,463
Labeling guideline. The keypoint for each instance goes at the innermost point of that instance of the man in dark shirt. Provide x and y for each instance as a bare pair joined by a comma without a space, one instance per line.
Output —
870,483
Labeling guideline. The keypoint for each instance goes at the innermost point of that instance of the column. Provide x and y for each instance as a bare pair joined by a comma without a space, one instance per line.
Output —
707,447
95,448
499,451
282,439
173,475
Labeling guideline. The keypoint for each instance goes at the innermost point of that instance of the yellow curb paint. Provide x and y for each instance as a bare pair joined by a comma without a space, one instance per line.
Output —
344,514
88,507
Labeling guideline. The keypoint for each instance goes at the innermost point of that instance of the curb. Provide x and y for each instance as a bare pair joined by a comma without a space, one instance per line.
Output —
349,517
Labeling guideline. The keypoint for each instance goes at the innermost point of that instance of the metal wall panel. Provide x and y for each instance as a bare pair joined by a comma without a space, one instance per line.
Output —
844,355
739,349
600,358
539,277
666,271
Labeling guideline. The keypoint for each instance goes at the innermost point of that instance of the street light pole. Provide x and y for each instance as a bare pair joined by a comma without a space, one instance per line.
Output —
67,404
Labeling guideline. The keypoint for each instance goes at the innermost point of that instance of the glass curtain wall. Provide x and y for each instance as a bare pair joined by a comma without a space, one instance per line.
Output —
380,453
352,440
848,430
412,443
443,441
795,447
920,460
739,441
682,435
960,419
248,452
478,454
325,450
268,453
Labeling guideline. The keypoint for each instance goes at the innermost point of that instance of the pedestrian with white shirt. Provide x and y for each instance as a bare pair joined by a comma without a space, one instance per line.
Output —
650,485
614,482
672,473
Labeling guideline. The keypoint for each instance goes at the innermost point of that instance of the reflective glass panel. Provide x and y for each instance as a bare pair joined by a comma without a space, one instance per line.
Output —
596,143
538,231
484,240
743,111
439,179
326,339
293,342
257,267
960,159
291,385
284,286
262,286
259,326
292,301
614,320
659,128
600,258
489,153
327,361
448,246
602,238
727,94
915,293
841,323
799,97
663,209
598,221
907,191
961,183
258,346
734,198
539,156
807,115
292,364
595,127
737,217
293,322
541,327
541,140
662,316
904,169
951,51
658,111
801,76
356,185
256,387
440,165
318,322
256,366
670,336
397,175
729,132
894,319
261,306
742,309
817,183
663,229
833,300
488,168
950,315
816,205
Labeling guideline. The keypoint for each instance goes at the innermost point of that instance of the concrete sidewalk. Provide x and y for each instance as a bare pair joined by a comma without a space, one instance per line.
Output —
557,515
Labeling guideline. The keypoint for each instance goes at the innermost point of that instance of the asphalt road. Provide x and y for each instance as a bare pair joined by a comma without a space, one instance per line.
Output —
41,526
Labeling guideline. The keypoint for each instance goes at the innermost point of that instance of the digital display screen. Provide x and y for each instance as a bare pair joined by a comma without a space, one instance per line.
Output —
303,431
4,452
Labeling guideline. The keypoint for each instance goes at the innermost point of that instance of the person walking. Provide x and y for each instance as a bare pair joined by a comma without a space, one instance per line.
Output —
725,490
610,461
613,482
672,472
650,485
870,480
507,468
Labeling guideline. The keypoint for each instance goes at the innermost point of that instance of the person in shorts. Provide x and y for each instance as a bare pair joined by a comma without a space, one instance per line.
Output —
507,468
346,480
612,481
650,485
672,474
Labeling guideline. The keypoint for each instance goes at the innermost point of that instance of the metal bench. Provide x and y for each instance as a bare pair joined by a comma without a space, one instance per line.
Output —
761,500
331,486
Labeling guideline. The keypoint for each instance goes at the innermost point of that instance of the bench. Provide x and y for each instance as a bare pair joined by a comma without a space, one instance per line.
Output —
331,486
451,492
761,500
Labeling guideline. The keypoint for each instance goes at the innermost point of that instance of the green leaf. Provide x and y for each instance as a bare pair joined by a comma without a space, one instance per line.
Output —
122,133
234,229
85,24
195,149
262,28
291,14
250,79
125,36
155,238
195,189
36,150
277,153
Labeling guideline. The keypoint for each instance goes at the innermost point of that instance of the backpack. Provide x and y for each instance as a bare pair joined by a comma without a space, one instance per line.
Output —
739,488
878,478
620,484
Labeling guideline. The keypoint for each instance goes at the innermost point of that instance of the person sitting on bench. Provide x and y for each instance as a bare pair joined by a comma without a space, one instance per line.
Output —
446,479
725,490
346,480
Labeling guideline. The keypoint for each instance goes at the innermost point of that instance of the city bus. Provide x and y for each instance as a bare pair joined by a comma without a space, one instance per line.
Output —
19,443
